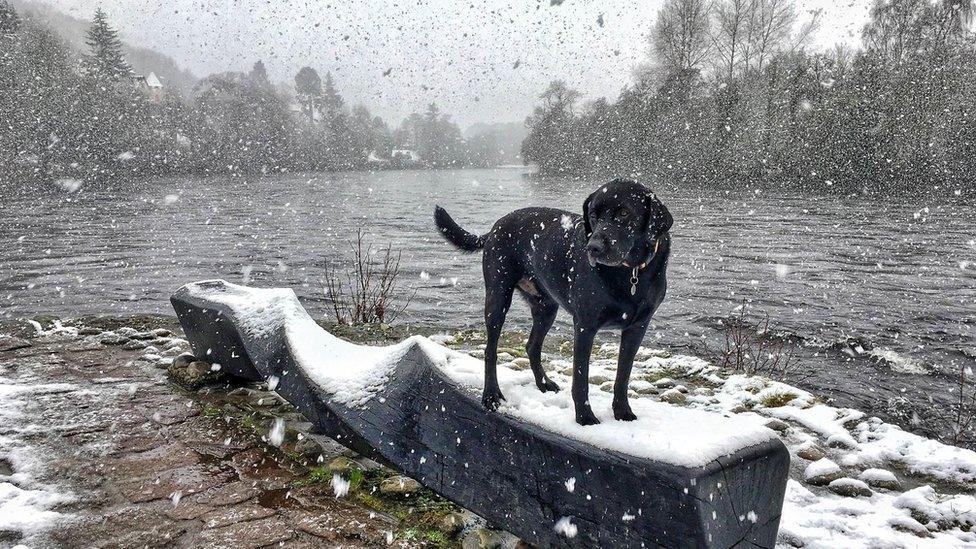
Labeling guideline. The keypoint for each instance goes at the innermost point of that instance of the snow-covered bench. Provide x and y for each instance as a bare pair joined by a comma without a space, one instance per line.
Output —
677,477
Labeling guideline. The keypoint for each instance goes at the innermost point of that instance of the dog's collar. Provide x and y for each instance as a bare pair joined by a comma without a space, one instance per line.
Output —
642,266
633,274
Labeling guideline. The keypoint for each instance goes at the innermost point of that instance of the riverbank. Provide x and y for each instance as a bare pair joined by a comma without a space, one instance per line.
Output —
101,447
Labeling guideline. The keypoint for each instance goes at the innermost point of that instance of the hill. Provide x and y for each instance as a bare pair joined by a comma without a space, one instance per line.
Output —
72,30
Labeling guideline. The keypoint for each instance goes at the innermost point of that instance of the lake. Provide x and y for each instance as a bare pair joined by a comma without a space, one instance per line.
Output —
896,275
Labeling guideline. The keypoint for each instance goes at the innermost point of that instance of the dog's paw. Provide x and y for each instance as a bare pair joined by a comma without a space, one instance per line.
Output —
491,398
586,417
624,414
547,386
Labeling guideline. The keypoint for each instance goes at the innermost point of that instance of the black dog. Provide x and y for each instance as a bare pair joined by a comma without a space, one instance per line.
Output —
608,271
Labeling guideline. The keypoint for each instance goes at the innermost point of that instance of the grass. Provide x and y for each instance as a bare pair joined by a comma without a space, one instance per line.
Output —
777,400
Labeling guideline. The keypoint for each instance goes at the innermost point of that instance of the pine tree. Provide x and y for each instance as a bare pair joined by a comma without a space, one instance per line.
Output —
9,21
259,76
107,59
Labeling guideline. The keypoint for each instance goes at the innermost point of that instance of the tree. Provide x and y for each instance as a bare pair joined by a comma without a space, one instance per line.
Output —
330,103
259,76
308,86
9,20
680,36
552,140
107,59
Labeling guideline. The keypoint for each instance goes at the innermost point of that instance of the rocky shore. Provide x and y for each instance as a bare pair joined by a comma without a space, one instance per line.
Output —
113,436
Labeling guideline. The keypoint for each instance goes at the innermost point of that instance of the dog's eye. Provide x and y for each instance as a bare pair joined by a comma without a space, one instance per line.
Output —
623,213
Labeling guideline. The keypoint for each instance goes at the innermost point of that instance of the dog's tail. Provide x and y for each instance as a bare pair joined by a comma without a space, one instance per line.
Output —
455,234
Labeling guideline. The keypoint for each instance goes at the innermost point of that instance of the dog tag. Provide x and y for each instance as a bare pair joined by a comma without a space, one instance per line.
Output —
633,282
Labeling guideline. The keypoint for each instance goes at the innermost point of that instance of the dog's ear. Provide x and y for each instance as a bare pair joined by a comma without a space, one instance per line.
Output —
659,220
586,216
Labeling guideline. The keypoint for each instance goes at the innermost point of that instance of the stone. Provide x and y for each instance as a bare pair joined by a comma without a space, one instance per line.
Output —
672,396
822,472
88,331
235,514
247,535
849,487
231,493
810,451
841,440
162,332
739,409
134,345
399,485
112,338
10,343
452,523
194,375
187,511
144,336
482,538
198,368
777,425
343,464
126,331
664,383
880,478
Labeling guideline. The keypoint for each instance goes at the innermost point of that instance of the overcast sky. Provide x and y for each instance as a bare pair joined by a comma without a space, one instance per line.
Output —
460,53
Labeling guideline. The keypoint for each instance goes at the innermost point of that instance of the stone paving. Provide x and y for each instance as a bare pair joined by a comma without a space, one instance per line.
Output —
142,463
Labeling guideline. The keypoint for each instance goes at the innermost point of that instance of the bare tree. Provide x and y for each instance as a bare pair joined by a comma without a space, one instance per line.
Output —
769,25
680,37
729,34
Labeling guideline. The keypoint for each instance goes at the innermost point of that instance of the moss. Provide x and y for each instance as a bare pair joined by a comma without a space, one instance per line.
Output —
211,411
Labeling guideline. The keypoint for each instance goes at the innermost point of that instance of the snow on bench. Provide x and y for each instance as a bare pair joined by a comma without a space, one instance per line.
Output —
674,477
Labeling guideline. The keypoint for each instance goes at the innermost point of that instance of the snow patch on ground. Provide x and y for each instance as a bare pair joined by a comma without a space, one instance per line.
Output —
26,504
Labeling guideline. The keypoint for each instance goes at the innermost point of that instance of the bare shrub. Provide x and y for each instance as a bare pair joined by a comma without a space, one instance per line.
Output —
366,293
750,346
962,421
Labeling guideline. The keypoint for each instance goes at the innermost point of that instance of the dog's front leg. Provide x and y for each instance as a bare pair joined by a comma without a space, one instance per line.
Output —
630,340
582,346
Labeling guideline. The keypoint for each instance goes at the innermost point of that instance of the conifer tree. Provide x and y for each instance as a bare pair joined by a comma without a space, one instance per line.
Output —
107,59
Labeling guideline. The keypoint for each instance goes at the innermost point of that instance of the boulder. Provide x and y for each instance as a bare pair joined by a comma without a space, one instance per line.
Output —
880,478
400,486
810,451
672,396
849,487
822,472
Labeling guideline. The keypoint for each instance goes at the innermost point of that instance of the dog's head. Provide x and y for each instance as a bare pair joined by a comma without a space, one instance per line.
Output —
623,221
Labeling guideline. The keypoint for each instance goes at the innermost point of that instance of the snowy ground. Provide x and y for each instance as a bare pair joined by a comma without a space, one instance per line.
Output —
856,481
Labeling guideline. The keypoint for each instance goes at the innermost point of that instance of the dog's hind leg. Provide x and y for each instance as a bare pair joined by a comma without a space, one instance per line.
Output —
544,312
630,340
498,298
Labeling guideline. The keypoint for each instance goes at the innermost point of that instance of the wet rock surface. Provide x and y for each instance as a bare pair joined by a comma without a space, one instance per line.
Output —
138,461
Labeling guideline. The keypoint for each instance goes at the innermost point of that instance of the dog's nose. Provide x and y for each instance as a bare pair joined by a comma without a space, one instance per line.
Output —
595,247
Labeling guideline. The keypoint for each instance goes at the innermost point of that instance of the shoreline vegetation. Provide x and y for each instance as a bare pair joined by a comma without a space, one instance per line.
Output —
72,121
732,93
735,92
